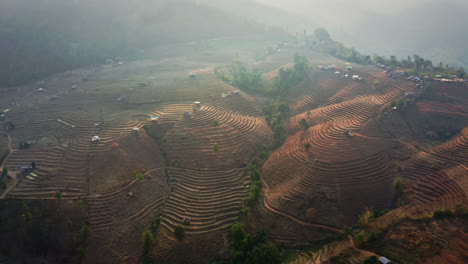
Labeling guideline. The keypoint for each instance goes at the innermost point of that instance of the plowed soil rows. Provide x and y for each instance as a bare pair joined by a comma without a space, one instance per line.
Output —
211,199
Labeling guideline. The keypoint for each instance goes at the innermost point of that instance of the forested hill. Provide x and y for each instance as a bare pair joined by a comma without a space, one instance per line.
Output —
42,37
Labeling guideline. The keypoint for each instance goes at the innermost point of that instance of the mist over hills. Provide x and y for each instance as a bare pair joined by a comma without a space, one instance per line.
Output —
434,29
43,37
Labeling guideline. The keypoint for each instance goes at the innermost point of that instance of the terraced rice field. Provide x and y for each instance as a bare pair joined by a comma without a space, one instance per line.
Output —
438,177
189,180
331,174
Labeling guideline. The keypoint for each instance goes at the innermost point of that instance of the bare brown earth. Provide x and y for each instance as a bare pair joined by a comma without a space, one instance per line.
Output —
331,183
308,194
183,176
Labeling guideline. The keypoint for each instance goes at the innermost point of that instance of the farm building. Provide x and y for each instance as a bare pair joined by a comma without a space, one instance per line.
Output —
197,104
384,260
192,75
95,139
154,118
25,168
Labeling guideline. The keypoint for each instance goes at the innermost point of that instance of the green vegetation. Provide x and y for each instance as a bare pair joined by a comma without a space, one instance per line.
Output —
23,145
3,157
415,65
9,125
252,249
179,232
402,104
303,123
147,239
58,195
371,260
369,215
442,213
307,146
360,239
251,79
151,131
274,113
216,122
139,176
399,195
245,79
288,78
215,147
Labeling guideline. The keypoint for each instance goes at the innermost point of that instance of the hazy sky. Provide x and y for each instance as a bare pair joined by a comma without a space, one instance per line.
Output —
434,28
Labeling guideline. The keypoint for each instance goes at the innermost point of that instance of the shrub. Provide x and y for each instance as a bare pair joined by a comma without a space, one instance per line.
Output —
179,232
441,213
216,122
139,176
156,223
304,124
371,260
307,146
58,195
148,240
360,240
215,147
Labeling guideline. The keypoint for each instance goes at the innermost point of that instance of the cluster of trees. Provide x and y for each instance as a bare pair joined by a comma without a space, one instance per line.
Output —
415,64
274,113
245,79
420,66
287,78
251,79
336,49
252,249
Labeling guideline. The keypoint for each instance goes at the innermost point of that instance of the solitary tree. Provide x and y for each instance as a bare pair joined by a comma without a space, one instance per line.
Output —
304,124
376,85
215,147
5,171
58,195
148,240
322,34
179,232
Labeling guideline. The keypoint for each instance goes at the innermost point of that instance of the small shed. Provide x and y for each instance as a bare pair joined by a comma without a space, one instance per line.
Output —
236,92
95,139
384,260
197,104
25,168
136,129
154,118
192,75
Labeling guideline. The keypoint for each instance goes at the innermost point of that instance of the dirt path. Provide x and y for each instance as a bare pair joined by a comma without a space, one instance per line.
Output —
390,139
294,219
13,180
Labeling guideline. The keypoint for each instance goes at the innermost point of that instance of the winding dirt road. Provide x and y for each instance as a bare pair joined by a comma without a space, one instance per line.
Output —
294,219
